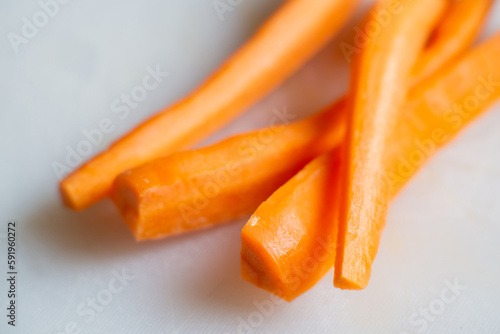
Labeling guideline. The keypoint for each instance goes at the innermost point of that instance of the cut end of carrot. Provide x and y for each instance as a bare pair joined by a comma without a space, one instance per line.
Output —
286,246
259,268
283,274
353,271
126,200
162,201
347,284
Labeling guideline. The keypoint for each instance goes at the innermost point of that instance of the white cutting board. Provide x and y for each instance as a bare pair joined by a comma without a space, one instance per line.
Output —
443,229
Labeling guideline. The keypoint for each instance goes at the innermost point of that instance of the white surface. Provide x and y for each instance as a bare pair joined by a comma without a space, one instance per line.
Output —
445,226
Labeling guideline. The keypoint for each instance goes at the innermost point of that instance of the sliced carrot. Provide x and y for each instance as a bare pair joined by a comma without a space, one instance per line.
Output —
379,83
284,242
79,191
286,41
458,29
445,104
177,202
199,188
286,245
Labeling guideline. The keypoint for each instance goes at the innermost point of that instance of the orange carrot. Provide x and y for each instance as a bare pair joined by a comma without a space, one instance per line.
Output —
286,245
286,41
458,29
381,72
199,188
177,202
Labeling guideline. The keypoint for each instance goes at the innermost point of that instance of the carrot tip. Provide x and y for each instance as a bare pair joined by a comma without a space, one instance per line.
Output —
346,284
68,200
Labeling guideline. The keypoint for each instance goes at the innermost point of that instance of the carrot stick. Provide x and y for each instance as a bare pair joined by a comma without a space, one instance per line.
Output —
286,245
379,83
200,188
177,202
459,27
285,41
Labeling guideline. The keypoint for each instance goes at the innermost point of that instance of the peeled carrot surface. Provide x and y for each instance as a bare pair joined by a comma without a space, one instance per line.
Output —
379,84
215,185
285,242
459,27
286,245
199,188
290,37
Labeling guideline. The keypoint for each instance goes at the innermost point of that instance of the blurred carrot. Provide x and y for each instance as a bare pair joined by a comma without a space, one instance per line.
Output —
290,37
457,30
